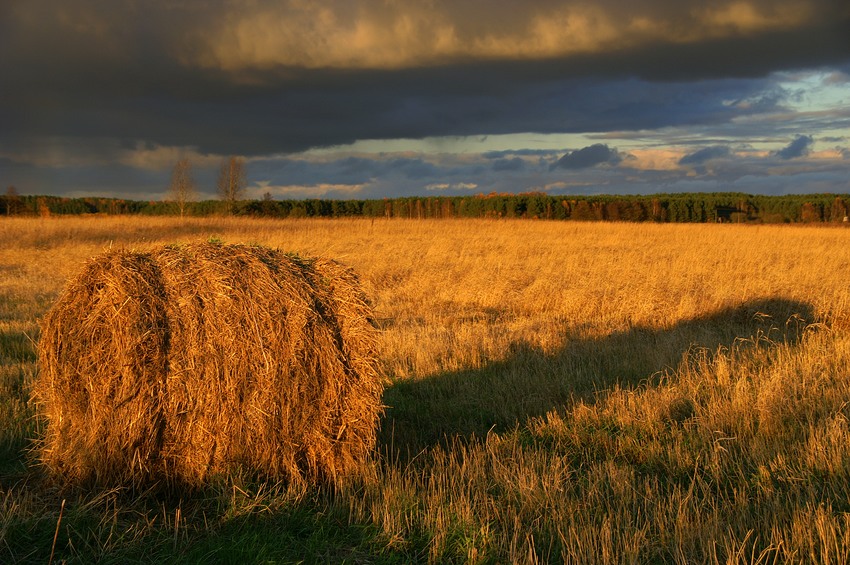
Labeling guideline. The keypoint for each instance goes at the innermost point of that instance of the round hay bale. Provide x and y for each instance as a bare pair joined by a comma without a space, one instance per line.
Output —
192,361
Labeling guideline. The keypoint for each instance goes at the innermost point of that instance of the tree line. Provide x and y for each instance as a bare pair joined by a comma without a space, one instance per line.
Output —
182,199
681,207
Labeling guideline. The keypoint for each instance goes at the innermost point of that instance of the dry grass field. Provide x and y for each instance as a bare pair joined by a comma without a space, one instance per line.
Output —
558,392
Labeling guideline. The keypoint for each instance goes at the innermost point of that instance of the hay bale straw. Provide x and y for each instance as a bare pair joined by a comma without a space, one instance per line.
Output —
193,361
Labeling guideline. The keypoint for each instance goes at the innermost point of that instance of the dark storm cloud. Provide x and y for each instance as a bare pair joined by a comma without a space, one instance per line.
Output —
705,154
797,148
587,157
406,105
262,77
514,164
355,170
116,180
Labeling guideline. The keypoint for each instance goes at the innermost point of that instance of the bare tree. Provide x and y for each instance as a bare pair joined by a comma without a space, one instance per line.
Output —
182,188
13,200
231,181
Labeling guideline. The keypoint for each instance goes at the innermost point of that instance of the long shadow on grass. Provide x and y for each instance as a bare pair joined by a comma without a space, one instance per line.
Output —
425,412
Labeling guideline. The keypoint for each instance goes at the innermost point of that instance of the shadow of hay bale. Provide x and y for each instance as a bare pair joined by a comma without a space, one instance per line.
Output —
461,405
199,360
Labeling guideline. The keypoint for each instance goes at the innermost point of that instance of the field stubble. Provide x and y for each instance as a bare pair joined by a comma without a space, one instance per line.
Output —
579,392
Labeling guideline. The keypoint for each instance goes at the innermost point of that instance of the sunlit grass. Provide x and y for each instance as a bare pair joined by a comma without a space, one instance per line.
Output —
559,392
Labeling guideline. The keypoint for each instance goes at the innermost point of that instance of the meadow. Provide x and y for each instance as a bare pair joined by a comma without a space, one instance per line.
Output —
556,392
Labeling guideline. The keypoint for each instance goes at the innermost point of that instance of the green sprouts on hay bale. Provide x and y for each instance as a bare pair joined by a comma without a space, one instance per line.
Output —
192,361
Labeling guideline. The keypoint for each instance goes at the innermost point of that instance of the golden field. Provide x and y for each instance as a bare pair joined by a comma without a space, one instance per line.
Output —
557,392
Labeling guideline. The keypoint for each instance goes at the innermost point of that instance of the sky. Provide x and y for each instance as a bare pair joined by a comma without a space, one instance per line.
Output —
385,98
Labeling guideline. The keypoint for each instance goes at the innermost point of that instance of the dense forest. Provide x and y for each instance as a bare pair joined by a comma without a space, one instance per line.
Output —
685,207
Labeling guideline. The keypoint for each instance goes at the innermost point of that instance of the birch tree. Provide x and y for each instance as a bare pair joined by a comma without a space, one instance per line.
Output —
182,189
232,181
13,201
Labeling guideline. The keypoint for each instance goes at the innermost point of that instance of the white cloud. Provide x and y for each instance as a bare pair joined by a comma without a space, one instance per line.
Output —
654,159
302,191
561,185
444,186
